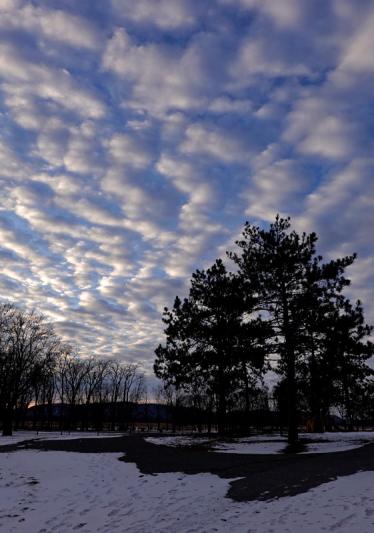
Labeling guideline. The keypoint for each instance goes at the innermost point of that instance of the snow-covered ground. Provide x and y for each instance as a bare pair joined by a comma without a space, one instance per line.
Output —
243,446
179,440
270,444
20,436
340,436
337,442
59,492
256,444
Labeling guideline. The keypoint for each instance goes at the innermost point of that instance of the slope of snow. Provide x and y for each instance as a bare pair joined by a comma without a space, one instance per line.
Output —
20,436
331,447
350,436
59,492
179,440
243,446
337,442
270,444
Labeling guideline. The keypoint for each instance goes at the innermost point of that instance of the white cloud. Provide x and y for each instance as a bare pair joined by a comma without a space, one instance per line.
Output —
161,13
358,56
51,142
259,57
166,77
58,85
284,13
154,70
188,179
129,150
331,137
10,164
223,104
319,125
347,194
83,154
215,142
55,25
276,186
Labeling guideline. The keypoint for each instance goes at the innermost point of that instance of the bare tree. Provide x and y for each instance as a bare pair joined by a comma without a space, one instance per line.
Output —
28,345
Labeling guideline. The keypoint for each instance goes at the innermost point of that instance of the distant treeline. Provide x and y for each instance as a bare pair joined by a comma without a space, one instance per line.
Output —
37,368
282,308
96,416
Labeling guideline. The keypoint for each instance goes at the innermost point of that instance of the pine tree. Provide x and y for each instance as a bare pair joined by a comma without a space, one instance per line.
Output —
335,343
348,347
209,338
284,271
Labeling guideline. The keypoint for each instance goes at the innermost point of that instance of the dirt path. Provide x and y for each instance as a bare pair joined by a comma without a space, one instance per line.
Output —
261,477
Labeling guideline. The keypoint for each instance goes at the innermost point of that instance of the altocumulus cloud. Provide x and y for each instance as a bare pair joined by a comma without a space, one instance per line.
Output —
136,138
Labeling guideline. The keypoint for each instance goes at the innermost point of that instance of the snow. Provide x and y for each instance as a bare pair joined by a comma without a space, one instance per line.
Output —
331,447
350,436
272,444
60,491
250,447
21,436
337,442
179,440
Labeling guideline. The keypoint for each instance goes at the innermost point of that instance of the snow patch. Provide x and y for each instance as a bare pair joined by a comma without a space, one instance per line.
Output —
251,447
177,441
21,436
273,444
59,492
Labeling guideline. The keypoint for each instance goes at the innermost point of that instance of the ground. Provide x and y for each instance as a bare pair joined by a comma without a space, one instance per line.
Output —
133,484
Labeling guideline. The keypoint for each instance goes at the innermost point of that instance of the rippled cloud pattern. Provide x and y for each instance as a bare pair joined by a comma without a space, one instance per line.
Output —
137,137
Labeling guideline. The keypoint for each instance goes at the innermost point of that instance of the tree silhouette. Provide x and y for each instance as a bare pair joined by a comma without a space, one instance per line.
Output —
208,338
282,268
28,348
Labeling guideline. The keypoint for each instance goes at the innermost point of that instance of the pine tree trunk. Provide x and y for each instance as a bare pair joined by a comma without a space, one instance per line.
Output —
292,436
221,416
221,403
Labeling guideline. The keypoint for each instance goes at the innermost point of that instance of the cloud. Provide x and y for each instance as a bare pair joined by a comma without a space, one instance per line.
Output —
10,163
55,25
284,13
161,13
345,197
26,78
357,57
137,137
165,77
129,150
319,129
223,104
276,187
258,57
211,141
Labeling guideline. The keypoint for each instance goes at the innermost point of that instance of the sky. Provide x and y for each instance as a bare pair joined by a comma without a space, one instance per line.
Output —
137,138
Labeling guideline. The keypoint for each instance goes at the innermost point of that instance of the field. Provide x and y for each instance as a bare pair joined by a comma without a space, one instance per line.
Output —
61,483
